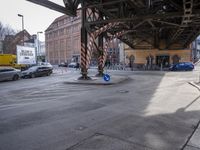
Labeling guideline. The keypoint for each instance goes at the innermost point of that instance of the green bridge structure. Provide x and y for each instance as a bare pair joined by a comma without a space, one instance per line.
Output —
163,24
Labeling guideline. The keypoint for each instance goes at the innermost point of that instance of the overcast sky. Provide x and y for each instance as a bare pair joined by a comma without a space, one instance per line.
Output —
36,18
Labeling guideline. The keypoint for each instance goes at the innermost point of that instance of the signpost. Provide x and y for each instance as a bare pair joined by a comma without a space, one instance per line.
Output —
26,55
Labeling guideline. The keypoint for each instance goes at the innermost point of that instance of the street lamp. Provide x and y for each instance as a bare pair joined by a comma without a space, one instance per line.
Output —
22,25
38,45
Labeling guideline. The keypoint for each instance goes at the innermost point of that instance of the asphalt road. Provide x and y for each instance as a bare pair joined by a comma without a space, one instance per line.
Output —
153,110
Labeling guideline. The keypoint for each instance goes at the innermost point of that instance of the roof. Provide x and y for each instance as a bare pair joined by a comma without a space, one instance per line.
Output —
51,26
21,33
56,20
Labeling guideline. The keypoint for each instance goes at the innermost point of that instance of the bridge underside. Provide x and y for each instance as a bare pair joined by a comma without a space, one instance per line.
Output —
141,24
162,24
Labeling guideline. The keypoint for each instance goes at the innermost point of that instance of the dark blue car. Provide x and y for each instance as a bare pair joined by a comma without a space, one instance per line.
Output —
183,66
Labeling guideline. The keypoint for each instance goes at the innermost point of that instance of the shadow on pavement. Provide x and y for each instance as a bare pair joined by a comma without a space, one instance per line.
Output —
155,112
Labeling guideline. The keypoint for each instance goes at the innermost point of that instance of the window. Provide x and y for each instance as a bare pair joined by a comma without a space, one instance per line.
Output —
61,32
68,44
62,45
50,35
75,28
75,44
66,30
6,70
65,20
55,33
61,22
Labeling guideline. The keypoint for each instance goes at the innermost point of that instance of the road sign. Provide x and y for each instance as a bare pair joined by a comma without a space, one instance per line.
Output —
26,55
106,77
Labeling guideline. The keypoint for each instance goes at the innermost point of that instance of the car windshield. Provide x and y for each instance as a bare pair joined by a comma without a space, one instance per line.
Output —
188,63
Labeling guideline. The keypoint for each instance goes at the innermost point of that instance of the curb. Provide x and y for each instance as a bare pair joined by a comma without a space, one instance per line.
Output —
96,82
196,62
194,85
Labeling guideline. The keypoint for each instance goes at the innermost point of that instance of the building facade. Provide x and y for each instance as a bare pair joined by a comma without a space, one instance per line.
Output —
196,50
11,41
62,40
113,57
39,47
155,58
42,51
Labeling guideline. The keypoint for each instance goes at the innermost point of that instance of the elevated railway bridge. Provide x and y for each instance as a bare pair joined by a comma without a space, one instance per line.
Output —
161,24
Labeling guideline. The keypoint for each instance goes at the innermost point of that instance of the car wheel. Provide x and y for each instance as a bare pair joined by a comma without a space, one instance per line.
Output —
32,75
15,77
48,74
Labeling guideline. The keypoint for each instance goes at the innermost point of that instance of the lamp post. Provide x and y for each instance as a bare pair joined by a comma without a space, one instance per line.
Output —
22,25
38,45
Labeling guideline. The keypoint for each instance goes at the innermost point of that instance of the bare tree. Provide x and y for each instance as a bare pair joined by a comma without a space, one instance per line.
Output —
5,30
1,31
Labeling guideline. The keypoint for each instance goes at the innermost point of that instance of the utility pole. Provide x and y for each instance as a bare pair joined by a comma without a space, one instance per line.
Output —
22,26
38,46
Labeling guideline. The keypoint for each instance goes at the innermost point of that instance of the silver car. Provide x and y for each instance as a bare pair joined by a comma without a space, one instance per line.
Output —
9,73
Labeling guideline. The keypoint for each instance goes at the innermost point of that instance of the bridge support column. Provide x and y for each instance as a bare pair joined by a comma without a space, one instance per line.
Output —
100,56
84,49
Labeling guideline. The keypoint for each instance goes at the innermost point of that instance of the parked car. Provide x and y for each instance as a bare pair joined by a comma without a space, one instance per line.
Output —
37,71
46,64
63,64
72,65
9,73
183,66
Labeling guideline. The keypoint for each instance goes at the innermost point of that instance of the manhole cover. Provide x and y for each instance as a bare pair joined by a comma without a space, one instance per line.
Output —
80,128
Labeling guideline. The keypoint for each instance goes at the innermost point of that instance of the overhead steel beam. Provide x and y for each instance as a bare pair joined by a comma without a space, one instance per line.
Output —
107,13
186,21
137,18
174,4
53,6
104,4
146,17
169,23
171,20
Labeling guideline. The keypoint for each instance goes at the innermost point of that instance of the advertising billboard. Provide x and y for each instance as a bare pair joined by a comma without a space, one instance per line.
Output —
26,55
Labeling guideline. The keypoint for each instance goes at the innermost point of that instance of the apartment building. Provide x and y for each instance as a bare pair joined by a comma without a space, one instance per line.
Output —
62,40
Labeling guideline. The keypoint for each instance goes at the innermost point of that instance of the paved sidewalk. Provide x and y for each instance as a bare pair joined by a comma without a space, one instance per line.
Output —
194,141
